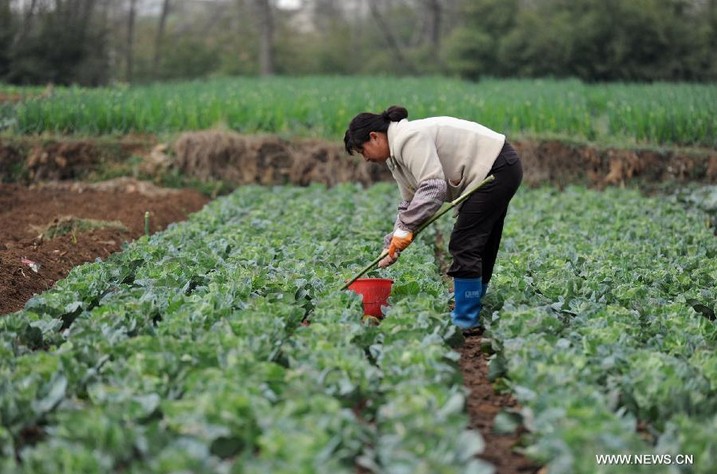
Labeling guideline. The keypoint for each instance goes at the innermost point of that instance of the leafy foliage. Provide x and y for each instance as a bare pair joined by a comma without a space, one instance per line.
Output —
599,315
187,352
592,40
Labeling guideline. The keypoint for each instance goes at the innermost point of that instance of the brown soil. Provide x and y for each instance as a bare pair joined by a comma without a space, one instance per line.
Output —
483,404
236,159
24,211
484,401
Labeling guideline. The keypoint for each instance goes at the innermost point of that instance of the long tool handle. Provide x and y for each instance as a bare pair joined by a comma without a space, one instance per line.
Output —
430,221
366,269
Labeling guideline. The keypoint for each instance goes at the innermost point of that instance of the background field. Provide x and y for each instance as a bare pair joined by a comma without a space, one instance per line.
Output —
626,114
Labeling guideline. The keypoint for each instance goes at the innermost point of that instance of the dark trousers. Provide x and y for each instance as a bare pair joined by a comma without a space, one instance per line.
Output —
479,227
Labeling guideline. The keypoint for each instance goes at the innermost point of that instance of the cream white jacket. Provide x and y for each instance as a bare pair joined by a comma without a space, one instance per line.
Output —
456,151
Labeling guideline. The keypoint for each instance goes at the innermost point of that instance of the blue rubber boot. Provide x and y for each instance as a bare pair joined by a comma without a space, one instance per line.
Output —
468,294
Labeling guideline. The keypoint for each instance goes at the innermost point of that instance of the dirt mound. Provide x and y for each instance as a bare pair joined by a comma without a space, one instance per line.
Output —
33,159
561,163
235,159
241,159
322,162
69,224
117,185
11,163
64,160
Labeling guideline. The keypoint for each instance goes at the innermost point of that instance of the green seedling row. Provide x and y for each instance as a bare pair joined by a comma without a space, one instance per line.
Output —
654,114
603,322
190,351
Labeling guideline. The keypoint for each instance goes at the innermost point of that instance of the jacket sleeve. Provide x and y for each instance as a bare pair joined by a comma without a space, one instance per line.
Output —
419,157
429,197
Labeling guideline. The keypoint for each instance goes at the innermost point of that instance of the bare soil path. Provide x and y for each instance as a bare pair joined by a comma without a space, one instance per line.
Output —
26,211
483,404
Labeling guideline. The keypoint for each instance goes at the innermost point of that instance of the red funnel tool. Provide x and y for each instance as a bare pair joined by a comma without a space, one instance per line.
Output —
374,293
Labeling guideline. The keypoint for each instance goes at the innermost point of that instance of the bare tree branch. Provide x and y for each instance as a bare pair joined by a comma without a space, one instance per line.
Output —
160,35
434,16
27,24
390,38
130,39
266,37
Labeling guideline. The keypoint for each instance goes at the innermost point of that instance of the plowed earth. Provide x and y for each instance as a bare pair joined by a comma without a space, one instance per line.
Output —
31,263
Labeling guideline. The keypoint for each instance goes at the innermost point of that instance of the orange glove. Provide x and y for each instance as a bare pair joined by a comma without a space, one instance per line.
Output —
400,240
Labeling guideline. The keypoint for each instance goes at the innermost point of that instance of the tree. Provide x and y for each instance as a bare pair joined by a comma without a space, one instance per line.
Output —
710,41
92,42
641,40
159,38
594,40
130,40
266,37
474,46
316,38
397,49
58,41
7,31
433,16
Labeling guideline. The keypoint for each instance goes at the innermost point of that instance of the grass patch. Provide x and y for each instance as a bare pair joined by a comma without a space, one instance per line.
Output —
73,225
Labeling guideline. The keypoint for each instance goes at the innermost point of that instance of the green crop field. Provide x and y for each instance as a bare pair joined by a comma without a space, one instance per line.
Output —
655,114
186,352
606,328
225,344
